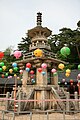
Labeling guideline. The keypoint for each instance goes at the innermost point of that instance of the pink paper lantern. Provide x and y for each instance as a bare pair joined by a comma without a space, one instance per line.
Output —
17,54
63,80
78,77
53,70
44,65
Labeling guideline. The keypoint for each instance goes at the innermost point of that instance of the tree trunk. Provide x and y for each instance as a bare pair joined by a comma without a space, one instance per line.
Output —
78,52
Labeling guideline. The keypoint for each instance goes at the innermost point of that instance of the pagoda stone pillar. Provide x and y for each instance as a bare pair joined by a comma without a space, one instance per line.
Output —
24,81
56,80
41,79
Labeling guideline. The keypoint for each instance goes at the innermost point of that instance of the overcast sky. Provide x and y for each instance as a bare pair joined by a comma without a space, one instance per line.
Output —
18,16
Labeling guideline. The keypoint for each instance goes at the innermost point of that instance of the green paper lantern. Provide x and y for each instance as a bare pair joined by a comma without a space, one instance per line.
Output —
1,63
15,69
65,51
55,74
6,74
59,83
0,69
78,67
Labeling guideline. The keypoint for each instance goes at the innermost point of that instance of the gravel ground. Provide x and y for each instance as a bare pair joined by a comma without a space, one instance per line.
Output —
51,116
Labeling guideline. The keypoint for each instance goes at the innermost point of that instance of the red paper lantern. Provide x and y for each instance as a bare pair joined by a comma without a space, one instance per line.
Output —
31,72
71,81
2,75
40,69
1,55
28,65
32,76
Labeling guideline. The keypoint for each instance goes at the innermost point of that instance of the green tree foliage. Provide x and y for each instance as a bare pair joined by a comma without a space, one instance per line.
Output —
8,56
69,38
24,45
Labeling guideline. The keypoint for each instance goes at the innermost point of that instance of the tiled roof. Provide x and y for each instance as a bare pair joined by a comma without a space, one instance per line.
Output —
73,75
10,81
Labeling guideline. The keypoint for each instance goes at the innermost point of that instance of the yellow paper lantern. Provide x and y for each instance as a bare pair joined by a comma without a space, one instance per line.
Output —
68,71
10,70
4,68
15,75
38,53
67,74
61,66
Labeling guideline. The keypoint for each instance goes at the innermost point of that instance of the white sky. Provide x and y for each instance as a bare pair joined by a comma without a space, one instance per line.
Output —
18,16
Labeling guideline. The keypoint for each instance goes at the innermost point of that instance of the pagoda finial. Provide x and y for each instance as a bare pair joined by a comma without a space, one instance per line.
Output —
39,19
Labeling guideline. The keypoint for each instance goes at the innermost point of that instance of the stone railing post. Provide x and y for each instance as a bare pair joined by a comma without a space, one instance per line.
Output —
76,101
67,101
19,102
7,101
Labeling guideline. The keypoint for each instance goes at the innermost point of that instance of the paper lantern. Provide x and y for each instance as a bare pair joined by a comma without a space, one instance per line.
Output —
1,63
38,53
33,81
10,76
18,78
63,80
10,70
1,55
31,72
4,67
40,69
68,71
78,67
15,69
65,83
17,54
43,73
71,81
53,70
27,69
2,75
55,74
67,74
14,64
21,71
28,65
6,74
0,69
15,75
61,66
78,77
44,65
59,83
21,79
31,76
65,51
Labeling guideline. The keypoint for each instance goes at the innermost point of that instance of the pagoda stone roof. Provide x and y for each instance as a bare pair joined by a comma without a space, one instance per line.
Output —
39,28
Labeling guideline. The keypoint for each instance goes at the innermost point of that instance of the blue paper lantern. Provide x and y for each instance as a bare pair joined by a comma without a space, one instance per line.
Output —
43,73
27,69
14,64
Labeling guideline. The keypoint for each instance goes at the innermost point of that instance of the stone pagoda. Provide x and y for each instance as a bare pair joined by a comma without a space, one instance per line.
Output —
43,83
